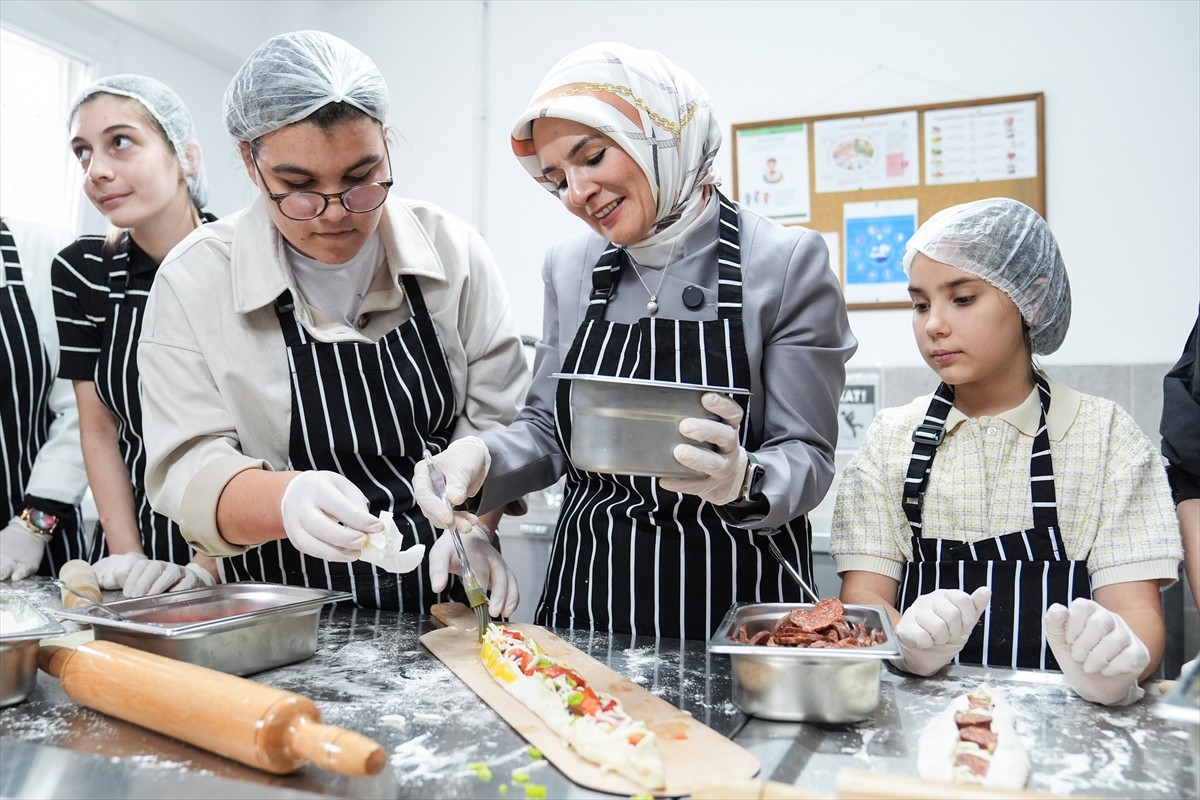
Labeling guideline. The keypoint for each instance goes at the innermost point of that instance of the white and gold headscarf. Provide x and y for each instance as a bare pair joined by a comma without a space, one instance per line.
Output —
651,108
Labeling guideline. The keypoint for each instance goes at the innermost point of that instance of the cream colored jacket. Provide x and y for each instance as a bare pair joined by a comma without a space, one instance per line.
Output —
216,391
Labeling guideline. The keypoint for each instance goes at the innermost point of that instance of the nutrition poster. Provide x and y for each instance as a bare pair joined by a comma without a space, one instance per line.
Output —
772,171
876,233
981,143
877,152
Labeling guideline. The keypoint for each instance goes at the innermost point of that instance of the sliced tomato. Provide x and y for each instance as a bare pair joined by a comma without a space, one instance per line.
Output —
554,670
590,703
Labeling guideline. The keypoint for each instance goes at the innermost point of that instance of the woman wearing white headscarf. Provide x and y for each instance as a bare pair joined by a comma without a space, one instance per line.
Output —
673,283
136,144
299,355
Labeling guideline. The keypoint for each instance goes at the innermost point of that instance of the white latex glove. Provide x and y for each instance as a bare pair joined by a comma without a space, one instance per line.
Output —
464,465
489,567
725,469
20,551
148,577
936,626
327,516
113,571
1098,653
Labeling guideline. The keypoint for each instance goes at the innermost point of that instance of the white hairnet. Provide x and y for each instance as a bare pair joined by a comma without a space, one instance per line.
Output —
293,75
168,109
1009,245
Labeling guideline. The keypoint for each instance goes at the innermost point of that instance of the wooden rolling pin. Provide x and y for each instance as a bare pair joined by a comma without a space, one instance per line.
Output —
271,729
78,575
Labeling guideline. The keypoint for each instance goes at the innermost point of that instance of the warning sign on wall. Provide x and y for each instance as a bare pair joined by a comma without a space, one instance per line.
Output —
860,402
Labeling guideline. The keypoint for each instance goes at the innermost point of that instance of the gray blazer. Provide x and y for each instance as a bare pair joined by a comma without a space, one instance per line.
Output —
798,341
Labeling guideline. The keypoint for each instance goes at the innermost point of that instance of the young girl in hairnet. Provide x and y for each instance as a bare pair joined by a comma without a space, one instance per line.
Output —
301,354
1007,520
137,146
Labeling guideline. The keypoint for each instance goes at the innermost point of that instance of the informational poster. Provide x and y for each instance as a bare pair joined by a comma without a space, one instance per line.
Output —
876,152
997,142
875,235
772,171
859,404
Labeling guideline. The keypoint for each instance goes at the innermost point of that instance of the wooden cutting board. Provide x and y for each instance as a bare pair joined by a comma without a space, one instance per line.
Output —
693,754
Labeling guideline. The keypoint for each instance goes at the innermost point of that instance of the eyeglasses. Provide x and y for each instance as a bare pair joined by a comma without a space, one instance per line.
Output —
309,205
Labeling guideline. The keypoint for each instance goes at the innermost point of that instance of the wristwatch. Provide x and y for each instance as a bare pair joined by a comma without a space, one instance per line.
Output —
39,523
754,474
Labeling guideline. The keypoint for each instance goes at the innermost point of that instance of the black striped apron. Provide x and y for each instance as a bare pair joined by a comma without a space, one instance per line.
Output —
366,411
1027,570
25,416
628,556
117,383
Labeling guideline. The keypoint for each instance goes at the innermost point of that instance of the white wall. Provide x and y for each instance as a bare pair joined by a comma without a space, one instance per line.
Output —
1121,79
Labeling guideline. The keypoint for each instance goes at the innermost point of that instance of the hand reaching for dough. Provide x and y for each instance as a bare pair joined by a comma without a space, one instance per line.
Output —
936,626
1100,656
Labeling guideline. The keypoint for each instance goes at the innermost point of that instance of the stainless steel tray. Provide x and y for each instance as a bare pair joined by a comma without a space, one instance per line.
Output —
630,426
804,684
762,616
19,647
239,628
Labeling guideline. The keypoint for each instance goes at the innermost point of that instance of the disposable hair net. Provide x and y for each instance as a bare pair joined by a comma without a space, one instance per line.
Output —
293,75
168,110
1009,245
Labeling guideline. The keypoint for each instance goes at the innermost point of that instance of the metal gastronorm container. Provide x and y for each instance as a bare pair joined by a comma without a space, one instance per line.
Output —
19,648
804,684
628,426
239,628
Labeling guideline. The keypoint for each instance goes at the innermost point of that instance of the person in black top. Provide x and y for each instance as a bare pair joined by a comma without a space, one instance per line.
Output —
136,144
42,479
1180,429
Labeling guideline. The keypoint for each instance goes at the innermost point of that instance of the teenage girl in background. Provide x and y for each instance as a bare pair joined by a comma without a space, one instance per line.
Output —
136,144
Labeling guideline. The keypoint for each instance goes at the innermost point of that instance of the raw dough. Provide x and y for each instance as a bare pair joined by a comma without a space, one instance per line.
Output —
940,745
383,549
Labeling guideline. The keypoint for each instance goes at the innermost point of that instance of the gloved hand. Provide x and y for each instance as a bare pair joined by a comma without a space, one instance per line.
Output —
20,551
464,465
327,516
155,577
1099,655
725,469
112,571
489,567
936,626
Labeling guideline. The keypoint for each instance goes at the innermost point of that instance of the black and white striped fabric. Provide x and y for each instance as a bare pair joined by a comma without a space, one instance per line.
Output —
117,384
628,556
366,411
25,417
1026,570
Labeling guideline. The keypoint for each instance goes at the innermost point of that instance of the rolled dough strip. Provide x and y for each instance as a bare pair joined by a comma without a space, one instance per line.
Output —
940,745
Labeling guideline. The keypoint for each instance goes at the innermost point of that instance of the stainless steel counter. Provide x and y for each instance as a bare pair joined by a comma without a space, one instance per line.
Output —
371,675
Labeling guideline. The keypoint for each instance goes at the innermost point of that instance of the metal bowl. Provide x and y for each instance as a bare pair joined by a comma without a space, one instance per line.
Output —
804,684
239,628
22,626
627,426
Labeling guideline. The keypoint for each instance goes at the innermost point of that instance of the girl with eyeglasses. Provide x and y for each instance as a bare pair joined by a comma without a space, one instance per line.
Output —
141,161
301,354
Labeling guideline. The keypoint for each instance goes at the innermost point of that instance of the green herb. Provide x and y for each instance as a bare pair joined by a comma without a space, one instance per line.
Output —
533,752
535,791
520,776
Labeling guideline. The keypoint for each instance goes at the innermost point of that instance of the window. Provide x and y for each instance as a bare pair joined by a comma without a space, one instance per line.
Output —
39,178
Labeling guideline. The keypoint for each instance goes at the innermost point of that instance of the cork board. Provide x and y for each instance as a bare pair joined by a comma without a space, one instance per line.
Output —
867,179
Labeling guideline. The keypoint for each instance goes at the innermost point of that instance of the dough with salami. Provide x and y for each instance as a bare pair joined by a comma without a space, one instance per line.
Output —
974,741
592,723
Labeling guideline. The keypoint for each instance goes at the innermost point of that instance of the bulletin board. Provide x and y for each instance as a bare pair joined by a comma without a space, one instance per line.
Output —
867,179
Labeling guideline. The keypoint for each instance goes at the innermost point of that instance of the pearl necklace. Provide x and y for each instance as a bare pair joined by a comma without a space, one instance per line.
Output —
652,305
